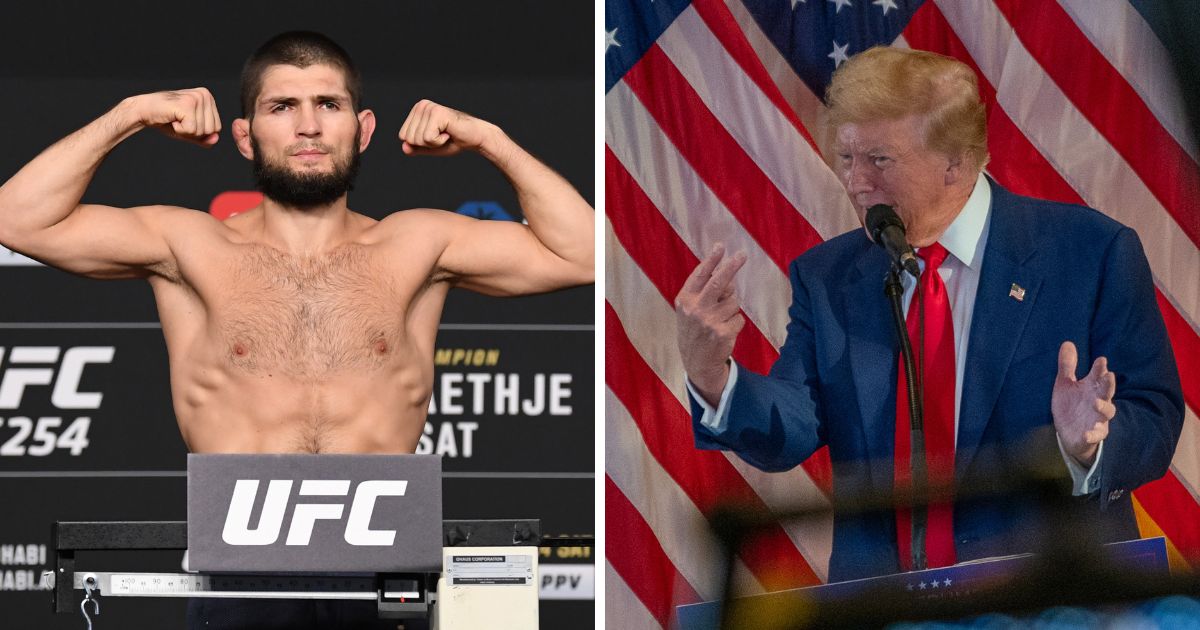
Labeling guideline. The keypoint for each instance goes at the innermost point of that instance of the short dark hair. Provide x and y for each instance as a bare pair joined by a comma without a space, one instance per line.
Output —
301,49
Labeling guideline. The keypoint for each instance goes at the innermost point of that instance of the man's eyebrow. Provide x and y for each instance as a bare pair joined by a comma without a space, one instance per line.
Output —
271,100
873,149
292,100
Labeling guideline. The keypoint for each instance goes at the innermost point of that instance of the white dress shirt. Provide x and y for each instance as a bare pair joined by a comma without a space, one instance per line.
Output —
966,240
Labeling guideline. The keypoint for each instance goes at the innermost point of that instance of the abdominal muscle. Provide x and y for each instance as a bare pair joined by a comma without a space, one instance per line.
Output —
223,410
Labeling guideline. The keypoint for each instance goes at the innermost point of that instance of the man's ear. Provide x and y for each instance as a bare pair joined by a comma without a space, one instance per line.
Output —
955,171
366,128
241,136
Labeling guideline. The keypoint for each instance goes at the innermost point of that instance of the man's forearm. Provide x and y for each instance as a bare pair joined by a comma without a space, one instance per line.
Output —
557,215
50,187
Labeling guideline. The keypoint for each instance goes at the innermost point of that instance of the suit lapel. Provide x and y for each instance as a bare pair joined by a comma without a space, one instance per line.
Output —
873,356
998,320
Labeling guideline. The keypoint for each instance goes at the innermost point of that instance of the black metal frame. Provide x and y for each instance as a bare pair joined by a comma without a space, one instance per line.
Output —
72,536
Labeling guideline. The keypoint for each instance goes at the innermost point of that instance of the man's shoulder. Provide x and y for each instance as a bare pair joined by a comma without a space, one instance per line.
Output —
415,231
184,228
430,218
414,224
1052,220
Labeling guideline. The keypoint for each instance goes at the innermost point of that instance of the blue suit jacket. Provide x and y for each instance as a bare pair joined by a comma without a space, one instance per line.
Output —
1086,280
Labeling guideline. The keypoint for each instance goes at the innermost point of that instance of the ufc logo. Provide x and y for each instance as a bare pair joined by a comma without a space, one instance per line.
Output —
66,394
304,515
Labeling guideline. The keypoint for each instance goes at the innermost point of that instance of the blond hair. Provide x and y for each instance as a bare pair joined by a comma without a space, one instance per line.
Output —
885,83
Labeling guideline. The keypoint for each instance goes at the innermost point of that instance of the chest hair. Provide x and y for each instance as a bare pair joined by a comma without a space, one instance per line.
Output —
310,317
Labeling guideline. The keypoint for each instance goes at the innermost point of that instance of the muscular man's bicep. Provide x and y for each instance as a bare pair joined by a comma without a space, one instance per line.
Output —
505,258
105,242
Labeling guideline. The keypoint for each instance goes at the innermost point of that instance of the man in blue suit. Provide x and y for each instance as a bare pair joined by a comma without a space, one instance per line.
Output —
1031,287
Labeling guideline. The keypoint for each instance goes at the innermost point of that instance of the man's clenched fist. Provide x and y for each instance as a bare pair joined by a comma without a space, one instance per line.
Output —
189,115
433,129
708,320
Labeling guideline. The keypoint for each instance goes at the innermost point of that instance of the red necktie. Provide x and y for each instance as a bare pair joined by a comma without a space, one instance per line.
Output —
936,358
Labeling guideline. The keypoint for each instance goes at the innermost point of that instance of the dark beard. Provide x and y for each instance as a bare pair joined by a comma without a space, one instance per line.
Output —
304,190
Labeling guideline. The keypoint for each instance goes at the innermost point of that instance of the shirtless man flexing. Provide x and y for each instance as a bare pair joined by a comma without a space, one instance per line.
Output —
300,325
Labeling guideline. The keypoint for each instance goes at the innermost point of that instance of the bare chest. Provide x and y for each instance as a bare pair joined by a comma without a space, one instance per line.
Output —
309,317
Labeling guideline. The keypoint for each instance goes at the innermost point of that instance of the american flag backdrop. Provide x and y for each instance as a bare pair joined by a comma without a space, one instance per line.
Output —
713,132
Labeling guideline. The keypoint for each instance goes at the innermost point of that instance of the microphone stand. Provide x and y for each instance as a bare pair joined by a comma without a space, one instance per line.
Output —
920,484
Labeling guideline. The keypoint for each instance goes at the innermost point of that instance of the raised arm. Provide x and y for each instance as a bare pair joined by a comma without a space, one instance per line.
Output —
557,247
40,211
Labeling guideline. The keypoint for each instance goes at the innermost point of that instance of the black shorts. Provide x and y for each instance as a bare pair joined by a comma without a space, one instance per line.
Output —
265,614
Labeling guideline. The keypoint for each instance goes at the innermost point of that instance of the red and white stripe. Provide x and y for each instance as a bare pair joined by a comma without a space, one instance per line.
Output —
712,138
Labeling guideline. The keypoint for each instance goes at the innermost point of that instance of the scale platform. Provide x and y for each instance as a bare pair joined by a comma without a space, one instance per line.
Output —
398,595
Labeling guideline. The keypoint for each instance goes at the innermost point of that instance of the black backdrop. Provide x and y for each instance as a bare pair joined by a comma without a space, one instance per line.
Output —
526,66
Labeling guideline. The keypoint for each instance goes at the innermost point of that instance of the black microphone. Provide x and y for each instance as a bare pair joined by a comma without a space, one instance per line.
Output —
887,230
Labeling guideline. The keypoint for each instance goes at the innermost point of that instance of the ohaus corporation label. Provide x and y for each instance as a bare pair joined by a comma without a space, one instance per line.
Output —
490,569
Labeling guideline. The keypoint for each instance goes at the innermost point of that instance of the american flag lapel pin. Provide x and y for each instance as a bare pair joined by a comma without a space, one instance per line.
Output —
1017,293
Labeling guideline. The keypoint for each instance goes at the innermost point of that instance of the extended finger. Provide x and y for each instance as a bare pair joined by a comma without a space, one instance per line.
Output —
1099,368
1106,382
722,277
1068,358
699,276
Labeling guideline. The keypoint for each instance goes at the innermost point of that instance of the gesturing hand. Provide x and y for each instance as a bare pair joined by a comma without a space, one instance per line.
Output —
708,321
433,129
1082,408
